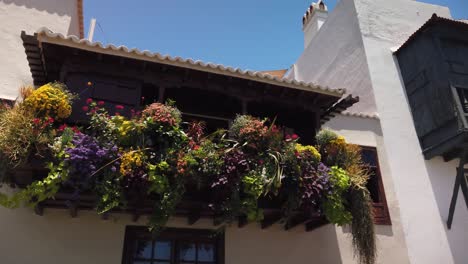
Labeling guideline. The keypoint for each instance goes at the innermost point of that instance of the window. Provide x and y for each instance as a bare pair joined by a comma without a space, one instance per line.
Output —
173,246
375,186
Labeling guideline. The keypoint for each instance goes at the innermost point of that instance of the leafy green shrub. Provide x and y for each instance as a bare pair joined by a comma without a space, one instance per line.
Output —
335,203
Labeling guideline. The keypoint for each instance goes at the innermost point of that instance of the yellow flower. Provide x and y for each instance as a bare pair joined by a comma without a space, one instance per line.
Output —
49,100
130,161
311,149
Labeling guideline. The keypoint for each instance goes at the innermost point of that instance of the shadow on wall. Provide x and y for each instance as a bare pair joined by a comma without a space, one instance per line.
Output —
380,230
442,176
275,245
54,7
442,179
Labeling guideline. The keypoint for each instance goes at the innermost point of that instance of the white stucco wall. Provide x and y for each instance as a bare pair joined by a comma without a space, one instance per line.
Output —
391,243
29,15
335,58
313,25
352,50
56,238
423,188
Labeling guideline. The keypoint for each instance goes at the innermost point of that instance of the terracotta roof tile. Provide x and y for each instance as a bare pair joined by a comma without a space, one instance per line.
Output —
47,36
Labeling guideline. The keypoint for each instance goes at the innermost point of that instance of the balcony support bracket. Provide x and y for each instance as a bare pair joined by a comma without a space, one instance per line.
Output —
460,183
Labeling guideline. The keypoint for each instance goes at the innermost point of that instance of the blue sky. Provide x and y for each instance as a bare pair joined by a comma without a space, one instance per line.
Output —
250,34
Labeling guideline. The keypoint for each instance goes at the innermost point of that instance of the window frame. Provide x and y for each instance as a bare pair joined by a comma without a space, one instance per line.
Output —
380,209
175,235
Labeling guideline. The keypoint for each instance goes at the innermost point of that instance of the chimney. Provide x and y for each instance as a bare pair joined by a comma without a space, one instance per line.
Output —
313,19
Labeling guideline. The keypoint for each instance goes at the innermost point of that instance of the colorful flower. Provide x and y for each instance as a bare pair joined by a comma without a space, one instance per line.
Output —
50,100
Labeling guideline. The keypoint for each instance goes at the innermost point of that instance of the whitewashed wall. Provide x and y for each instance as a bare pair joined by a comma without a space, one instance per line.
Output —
353,50
423,188
29,15
391,243
336,58
56,238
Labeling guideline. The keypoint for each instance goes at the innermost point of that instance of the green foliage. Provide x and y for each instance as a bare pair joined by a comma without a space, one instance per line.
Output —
253,184
17,136
335,204
128,162
240,122
324,137
165,207
109,193
46,188
158,177
37,191
362,226
205,161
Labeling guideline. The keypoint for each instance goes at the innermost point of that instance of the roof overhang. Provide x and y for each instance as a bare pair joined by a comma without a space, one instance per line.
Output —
46,36
34,44
434,20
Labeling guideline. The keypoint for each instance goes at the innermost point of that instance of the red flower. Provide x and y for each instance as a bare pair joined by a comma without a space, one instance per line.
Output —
36,121
89,100
85,108
62,127
287,137
75,129
260,162
50,120
274,129
294,136
119,107
100,103
196,147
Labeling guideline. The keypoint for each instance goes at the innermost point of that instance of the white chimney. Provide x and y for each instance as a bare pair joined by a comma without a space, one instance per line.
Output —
313,19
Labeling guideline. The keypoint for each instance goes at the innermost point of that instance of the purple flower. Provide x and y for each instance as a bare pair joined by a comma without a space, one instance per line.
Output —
86,158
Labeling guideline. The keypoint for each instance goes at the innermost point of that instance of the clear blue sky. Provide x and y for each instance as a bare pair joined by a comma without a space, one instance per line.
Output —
250,34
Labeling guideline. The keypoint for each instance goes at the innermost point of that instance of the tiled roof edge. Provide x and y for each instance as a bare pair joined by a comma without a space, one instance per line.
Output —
434,19
361,114
45,35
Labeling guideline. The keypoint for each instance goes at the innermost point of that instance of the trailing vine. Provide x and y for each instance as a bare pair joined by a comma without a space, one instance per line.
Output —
150,162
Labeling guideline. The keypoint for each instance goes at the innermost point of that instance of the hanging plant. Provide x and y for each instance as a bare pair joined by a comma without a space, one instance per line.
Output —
149,160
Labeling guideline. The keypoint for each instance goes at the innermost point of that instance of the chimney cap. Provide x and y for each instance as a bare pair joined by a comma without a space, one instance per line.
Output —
320,6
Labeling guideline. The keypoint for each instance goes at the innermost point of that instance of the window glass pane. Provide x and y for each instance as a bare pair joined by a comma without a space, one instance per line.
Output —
205,252
143,249
187,251
162,250
373,185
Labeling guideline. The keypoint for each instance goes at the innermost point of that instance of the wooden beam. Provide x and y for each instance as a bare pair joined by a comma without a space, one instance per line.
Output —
105,216
135,216
314,224
193,217
244,107
294,221
217,220
242,221
162,89
270,220
39,209
73,210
